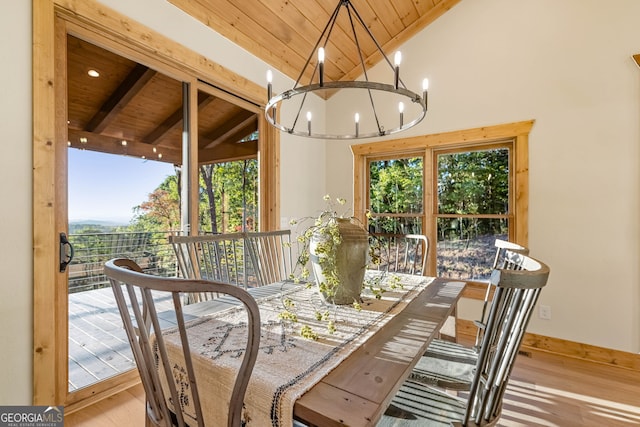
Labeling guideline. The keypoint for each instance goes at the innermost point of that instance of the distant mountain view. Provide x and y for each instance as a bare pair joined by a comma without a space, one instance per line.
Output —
95,226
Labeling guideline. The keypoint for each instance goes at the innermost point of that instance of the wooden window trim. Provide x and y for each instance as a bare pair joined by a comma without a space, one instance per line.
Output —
518,132
52,20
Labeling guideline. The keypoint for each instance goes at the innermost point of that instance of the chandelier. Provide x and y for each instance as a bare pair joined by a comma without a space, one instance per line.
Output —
378,109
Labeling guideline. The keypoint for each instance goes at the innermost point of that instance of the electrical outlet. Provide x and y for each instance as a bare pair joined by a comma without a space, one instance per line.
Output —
544,312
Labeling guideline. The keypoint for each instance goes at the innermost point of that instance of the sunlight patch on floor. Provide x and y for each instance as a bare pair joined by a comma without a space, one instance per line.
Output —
524,406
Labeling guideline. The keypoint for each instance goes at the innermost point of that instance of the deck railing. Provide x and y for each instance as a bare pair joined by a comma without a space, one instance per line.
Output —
150,249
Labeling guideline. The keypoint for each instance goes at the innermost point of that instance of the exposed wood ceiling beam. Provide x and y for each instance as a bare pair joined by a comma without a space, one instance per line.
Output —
113,145
240,132
239,121
130,86
174,120
229,152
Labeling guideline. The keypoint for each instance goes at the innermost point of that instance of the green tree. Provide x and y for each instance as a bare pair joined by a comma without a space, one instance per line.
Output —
208,215
228,200
396,188
233,186
473,183
161,211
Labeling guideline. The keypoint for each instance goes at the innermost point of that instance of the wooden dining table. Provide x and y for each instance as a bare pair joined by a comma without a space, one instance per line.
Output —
357,387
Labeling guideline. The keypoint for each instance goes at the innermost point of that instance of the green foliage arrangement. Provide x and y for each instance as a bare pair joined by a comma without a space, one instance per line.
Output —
325,226
326,229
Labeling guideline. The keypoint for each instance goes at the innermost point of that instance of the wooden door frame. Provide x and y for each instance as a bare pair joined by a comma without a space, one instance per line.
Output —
52,20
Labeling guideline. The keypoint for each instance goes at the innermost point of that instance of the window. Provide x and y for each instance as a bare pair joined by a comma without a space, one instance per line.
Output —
472,209
396,195
461,189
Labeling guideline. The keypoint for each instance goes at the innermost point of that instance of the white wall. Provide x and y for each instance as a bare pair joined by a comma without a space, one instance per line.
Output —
567,65
15,210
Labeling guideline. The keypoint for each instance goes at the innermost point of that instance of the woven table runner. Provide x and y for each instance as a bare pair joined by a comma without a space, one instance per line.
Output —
287,364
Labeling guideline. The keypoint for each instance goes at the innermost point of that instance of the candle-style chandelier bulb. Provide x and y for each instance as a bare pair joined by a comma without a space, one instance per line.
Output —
397,58
321,66
269,87
425,87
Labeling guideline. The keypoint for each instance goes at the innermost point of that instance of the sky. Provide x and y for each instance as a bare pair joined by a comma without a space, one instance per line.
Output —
107,187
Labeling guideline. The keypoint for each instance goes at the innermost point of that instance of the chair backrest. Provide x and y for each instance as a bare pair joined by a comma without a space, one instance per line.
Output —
500,261
400,253
271,256
502,246
517,290
133,292
219,257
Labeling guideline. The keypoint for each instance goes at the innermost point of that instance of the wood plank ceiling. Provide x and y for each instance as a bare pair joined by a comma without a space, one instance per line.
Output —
133,110
283,32
130,102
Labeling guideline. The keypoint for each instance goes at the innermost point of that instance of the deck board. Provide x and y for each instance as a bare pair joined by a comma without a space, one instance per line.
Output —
98,345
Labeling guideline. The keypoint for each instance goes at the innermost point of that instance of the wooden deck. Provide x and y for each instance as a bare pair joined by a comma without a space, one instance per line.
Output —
98,346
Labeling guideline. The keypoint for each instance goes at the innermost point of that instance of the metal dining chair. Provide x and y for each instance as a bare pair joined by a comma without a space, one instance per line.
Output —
219,257
271,255
166,401
400,253
516,292
449,364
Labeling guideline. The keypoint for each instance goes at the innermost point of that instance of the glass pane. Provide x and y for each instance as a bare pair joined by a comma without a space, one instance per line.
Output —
229,201
466,246
474,182
119,206
396,185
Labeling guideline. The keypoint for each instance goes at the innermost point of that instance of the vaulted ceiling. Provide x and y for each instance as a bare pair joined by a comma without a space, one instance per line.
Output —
283,32
133,103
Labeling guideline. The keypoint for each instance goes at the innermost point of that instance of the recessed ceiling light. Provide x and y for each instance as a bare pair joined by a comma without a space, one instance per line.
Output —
93,73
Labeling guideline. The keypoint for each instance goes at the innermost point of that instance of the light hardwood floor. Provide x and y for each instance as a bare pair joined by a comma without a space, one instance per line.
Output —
545,390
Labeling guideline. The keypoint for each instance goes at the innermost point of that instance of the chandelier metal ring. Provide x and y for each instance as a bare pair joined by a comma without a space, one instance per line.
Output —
366,85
